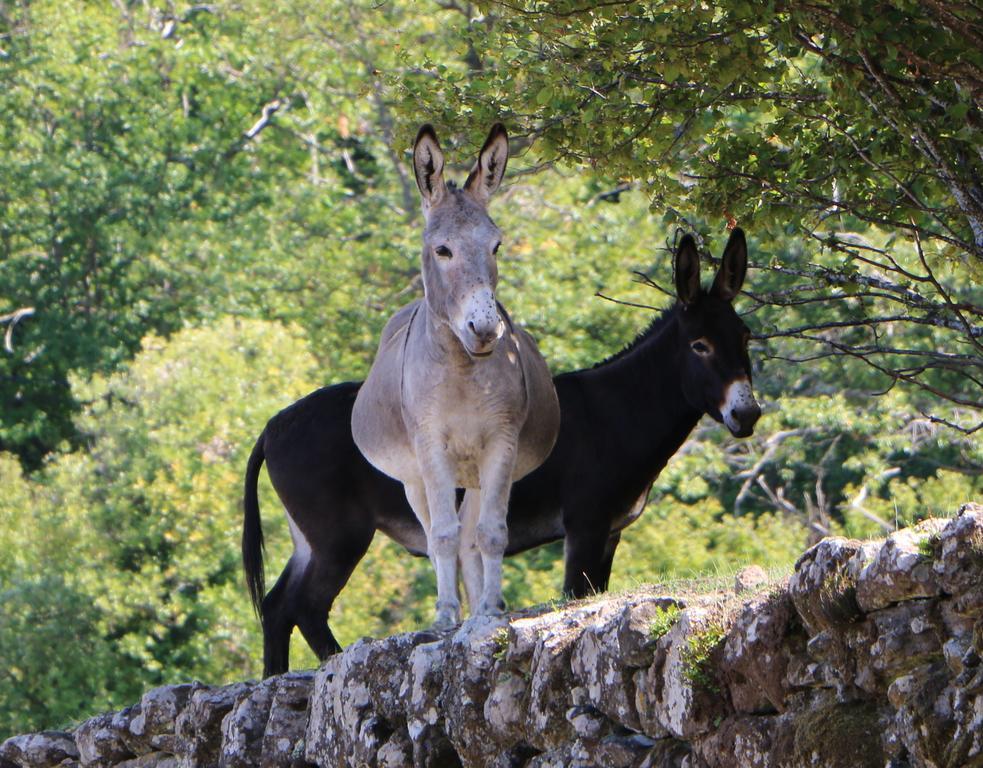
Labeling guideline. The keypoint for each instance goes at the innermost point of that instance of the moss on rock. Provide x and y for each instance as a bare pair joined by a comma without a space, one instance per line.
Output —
839,736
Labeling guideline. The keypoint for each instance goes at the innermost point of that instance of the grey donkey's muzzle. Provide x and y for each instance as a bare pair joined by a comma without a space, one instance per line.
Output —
483,325
484,338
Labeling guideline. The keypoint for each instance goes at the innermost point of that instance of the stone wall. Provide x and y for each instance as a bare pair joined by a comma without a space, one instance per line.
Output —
869,655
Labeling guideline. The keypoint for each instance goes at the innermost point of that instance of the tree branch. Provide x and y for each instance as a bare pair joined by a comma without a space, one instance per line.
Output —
11,319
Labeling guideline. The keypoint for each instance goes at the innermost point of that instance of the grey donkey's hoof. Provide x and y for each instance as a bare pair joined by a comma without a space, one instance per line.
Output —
490,608
448,617
443,624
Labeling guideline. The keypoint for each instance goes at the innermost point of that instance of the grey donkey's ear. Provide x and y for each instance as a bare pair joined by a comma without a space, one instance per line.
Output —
687,270
487,173
733,267
428,165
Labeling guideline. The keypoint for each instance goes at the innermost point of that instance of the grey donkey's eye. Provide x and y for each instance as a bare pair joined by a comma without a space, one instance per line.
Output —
444,252
495,249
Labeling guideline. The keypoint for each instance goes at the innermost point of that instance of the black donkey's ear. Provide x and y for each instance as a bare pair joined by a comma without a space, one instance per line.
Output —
687,270
733,267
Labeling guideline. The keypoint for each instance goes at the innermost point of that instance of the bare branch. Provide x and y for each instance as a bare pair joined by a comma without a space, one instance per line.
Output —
934,313
772,445
11,319
268,111
266,115
626,303
646,280
970,331
859,322
777,497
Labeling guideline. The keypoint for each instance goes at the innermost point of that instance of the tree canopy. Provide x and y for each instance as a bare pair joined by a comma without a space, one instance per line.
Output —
845,135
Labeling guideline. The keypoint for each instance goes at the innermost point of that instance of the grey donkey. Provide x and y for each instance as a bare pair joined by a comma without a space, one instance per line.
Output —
458,397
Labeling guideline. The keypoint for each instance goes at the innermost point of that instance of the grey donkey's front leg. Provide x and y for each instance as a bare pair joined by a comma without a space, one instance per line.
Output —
437,498
491,532
469,556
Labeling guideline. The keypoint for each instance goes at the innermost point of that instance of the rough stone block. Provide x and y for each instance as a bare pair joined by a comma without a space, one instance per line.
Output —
597,664
39,750
901,569
959,565
198,729
101,740
152,726
823,586
750,578
761,642
743,741
283,741
924,721
550,677
681,692
244,726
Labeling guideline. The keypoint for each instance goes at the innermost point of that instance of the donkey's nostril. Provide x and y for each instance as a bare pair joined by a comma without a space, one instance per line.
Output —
483,334
746,418
751,415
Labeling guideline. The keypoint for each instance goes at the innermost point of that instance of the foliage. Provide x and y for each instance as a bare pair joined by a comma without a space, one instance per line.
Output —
501,641
111,148
210,211
39,619
139,534
663,620
696,656
929,547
